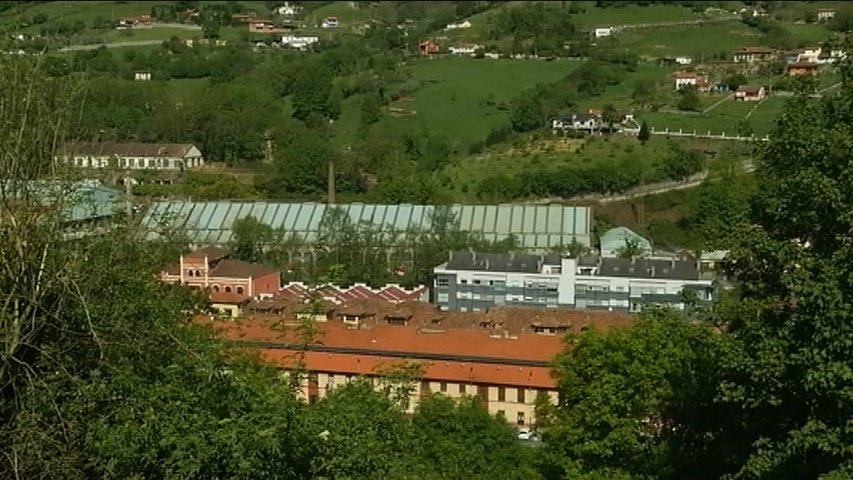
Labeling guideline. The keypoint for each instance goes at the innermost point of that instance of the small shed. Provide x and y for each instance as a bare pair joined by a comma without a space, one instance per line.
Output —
615,239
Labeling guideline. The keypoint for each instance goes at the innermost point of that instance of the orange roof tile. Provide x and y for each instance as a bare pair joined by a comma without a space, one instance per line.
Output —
439,370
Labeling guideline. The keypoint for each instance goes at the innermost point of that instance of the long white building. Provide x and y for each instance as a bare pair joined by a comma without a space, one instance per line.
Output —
131,156
473,281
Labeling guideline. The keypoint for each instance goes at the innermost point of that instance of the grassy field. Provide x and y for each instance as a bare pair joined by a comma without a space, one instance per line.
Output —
695,41
155,33
723,118
594,17
462,97
620,95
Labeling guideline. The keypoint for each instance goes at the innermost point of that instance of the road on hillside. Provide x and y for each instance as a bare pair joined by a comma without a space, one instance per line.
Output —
95,46
675,23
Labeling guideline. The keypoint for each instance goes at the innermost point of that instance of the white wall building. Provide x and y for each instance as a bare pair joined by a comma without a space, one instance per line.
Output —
132,156
458,25
472,281
603,32
464,49
288,10
298,42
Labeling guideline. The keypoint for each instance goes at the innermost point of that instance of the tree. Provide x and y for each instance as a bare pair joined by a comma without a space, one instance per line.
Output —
311,89
610,116
526,113
635,403
689,99
643,93
370,110
249,237
210,29
734,81
789,367
644,133
631,249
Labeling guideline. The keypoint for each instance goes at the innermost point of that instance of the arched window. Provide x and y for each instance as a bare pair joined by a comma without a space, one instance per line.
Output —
216,288
227,289
239,289
190,272
197,273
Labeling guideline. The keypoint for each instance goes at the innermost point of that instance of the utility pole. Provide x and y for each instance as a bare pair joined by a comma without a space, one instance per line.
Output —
331,183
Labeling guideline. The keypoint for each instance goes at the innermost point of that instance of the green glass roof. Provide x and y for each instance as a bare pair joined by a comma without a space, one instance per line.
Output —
535,226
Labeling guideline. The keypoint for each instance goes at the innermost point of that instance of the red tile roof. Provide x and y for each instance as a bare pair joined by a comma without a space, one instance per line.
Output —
390,293
434,370
212,253
231,298
239,269
393,338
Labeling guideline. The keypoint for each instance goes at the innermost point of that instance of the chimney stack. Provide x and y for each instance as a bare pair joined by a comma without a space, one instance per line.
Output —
331,183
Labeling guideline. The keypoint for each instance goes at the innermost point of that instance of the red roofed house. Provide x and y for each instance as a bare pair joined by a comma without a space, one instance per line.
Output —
502,357
263,26
691,79
801,68
750,93
428,47
230,283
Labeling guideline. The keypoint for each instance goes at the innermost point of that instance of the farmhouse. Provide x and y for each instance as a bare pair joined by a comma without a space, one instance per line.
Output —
824,14
603,32
576,121
801,68
465,49
750,93
142,76
458,25
132,156
691,79
754,54
298,42
288,9
138,21
428,47
263,26
330,22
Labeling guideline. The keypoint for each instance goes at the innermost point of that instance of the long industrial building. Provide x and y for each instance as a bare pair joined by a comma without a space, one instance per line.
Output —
536,227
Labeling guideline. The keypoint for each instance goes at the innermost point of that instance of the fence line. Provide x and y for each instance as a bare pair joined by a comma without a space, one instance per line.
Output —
721,136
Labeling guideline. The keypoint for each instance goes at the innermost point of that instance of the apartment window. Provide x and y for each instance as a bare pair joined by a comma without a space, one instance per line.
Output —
499,284
442,281
520,418
501,394
228,289
461,389
443,297
464,281
476,282
520,395
239,289
216,288
552,290
443,387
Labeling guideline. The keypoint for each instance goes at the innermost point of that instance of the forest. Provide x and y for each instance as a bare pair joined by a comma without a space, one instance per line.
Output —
102,376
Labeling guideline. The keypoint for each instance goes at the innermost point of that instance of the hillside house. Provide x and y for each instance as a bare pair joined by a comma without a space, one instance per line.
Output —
807,55
754,54
801,68
603,32
691,79
298,42
330,22
428,47
142,76
131,156
137,21
465,49
576,121
229,283
239,18
824,14
288,9
458,25
750,93
263,26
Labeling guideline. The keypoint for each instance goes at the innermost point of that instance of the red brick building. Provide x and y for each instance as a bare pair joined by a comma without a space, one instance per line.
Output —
229,282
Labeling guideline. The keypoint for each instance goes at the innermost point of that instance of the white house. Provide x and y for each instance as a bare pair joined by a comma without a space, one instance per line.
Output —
683,60
468,49
330,22
576,121
298,42
603,32
809,54
690,79
825,14
131,156
458,25
288,10
750,93
142,76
